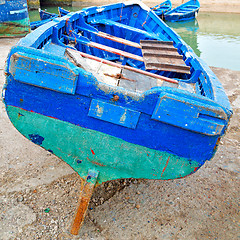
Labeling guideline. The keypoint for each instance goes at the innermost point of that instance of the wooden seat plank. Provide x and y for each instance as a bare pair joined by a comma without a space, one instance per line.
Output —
163,56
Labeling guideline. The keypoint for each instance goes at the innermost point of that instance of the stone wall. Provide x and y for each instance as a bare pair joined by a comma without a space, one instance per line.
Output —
33,4
206,5
56,2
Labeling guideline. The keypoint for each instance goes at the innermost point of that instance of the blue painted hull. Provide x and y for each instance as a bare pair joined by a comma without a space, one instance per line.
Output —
41,79
34,25
162,8
44,15
184,12
14,20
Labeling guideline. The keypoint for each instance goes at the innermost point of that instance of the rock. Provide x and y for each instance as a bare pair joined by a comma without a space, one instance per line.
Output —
137,206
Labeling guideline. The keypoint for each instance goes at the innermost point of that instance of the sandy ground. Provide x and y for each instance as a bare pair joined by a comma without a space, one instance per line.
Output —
39,192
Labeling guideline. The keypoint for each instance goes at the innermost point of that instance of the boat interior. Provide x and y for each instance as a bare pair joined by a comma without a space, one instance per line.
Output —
131,38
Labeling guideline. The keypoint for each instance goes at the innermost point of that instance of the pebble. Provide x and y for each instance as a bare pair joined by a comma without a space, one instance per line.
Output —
20,198
137,206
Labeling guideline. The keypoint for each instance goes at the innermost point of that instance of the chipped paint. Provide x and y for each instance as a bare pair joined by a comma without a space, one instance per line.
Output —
112,152
123,117
99,111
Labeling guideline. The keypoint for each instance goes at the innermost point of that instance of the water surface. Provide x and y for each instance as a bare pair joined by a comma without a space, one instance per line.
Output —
215,37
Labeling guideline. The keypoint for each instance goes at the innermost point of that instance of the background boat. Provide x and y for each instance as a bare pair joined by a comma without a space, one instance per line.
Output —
162,8
14,20
45,18
184,12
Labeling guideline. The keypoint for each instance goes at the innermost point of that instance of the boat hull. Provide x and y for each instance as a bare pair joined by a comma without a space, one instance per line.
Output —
181,17
85,149
14,20
66,125
185,12
162,8
161,121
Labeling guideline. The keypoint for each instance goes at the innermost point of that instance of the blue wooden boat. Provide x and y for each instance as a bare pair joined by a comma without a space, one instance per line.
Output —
44,15
14,20
184,12
162,8
45,18
37,24
62,11
115,93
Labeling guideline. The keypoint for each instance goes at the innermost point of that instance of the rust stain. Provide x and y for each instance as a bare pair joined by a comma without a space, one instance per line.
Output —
217,143
97,163
165,166
115,98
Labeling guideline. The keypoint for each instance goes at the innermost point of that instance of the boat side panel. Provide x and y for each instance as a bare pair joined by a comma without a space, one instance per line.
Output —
85,149
43,73
75,108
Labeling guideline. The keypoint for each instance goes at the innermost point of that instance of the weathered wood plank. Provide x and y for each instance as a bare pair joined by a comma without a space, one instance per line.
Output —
163,56
168,67
72,52
156,42
166,60
87,188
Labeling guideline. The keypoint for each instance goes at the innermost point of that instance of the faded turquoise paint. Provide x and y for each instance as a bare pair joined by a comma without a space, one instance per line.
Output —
85,149
15,28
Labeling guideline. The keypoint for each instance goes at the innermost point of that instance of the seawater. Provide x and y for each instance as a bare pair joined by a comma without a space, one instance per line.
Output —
215,37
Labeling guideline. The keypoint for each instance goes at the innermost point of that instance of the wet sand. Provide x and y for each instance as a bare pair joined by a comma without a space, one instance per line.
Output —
39,192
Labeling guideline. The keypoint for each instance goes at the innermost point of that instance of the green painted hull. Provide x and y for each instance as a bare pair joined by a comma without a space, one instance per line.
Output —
15,28
84,149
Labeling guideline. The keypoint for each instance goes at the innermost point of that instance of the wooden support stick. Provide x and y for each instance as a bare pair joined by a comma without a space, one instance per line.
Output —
87,188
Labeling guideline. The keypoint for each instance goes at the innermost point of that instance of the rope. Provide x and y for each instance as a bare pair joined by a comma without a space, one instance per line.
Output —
145,19
71,30
121,12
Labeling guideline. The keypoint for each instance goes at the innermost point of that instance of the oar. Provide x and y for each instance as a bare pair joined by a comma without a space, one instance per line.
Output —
71,52
85,41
